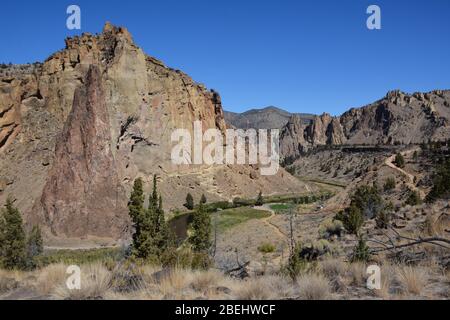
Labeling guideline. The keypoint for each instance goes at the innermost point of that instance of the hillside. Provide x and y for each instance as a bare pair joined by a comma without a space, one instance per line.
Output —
266,118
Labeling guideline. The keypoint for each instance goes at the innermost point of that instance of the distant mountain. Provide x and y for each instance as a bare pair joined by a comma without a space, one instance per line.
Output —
398,118
267,118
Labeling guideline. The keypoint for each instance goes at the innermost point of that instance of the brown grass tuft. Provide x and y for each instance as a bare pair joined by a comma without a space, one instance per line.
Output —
412,279
95,283
314,287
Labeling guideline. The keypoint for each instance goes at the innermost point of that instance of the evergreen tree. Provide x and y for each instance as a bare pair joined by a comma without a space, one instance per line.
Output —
203,199
441,183
136,203
189,202
259,200
413,198
153,201
361,251
13,244
201,230
353,219
151,236
161,234
139,218
35,246
399,160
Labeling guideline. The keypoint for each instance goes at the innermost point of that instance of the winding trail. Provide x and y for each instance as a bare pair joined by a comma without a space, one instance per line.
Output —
266,221
410,183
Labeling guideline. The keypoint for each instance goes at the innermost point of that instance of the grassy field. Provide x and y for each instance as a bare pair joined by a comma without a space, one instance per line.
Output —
231,217
281,207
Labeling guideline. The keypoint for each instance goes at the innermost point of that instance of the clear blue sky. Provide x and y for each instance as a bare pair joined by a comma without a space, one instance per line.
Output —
304,56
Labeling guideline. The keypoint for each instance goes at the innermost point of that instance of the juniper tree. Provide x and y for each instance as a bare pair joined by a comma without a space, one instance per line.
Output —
161,232
136,203
399,160
259,200
35,246
153,201
139,218
13,244
361,251
189,202
203,199
201,230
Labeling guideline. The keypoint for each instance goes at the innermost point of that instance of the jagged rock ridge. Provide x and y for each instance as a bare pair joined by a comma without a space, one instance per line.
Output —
398,118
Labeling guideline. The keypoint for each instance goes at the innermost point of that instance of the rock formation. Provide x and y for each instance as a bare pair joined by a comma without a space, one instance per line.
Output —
398,118
76,130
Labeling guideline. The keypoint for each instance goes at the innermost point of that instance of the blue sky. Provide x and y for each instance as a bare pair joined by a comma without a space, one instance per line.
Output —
304,56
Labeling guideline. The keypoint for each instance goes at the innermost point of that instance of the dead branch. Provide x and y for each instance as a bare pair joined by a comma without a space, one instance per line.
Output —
432,240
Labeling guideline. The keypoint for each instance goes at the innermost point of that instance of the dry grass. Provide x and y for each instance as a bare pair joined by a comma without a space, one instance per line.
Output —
314,287
10,279
50,277
329,280
412,279
332,268
255,289
387,275
206,280
95,283
357,273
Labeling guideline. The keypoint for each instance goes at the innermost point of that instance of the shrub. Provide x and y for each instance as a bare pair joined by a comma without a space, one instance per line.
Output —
266,248
368,200
259,200
399,160
296,264
366,203
353,219
383,217
441,183
413,199
189,202
389,184
361,251
330,228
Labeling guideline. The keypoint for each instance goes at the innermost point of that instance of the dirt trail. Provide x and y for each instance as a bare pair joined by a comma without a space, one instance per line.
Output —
410,183
267,221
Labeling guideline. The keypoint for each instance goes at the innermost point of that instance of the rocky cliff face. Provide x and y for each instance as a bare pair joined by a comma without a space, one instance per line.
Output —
76,130
398,118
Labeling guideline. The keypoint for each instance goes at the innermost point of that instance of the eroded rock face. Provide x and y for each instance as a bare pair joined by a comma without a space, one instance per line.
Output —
83,180
77,130
397,118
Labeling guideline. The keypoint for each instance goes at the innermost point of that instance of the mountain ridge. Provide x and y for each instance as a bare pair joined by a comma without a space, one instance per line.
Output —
269,117
397,118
